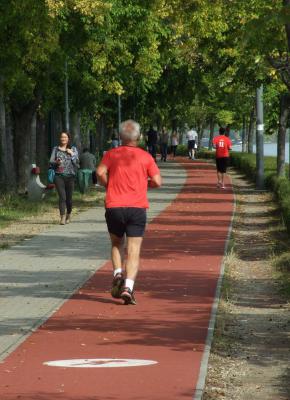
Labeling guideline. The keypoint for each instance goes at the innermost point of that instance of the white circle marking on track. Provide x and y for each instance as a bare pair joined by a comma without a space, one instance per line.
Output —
99,363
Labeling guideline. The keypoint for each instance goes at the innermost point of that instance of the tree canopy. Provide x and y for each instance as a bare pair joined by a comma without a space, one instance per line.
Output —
174,62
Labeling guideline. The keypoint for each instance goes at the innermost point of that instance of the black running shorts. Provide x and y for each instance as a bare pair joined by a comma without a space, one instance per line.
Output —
222,164
191,144
126,220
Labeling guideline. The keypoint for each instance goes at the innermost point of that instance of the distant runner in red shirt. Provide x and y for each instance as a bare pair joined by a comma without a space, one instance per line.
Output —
222,144
126,172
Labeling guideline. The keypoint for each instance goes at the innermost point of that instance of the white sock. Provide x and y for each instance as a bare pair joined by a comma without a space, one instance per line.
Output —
129,284
117,271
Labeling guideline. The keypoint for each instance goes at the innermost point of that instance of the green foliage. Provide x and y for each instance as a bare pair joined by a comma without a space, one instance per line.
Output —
182,150
14,208
282,263
174,62
246,163
281,186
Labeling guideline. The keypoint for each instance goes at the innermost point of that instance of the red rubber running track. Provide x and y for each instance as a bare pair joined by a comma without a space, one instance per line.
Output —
181,262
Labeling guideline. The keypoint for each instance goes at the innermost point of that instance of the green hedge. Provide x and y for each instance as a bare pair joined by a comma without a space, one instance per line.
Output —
182,150
246,163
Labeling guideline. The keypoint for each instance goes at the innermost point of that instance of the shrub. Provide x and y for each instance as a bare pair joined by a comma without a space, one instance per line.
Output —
246,163
282,263
205,153
280,186
182,150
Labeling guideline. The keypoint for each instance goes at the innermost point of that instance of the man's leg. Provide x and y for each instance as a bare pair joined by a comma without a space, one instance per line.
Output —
132,266
133,258
222,180
189,151
150,149
117,255
154,151
117,252
165,151
218,179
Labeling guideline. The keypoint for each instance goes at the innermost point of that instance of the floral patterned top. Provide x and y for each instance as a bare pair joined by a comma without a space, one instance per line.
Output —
68,164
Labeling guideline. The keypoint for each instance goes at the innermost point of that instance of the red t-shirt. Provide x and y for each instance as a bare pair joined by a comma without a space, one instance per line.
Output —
129,168
222,144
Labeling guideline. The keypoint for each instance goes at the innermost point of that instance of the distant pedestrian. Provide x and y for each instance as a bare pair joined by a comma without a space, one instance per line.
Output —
222,145
125,172
174,143
64,158
191,137
152,140
164,137
115,140
87,169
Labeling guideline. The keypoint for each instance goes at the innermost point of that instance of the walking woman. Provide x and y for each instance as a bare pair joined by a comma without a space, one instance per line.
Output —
64,158
174,143
164,136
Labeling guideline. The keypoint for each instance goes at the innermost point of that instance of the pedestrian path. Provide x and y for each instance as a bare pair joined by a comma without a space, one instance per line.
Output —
181,263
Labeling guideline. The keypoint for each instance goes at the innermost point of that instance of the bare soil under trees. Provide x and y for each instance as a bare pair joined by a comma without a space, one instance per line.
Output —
250,356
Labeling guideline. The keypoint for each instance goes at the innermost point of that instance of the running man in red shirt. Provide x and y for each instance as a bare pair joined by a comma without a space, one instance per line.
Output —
222,144
126,172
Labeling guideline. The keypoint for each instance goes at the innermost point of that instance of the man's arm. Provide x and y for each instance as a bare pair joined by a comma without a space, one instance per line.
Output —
102,174
155,181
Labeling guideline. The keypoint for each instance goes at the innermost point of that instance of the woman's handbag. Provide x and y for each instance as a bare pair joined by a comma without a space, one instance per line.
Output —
50,175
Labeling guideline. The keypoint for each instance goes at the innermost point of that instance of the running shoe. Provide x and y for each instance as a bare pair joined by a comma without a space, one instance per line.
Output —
117,285
128,296
223,187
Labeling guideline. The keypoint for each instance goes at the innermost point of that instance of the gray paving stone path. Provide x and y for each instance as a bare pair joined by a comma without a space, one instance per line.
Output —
38,275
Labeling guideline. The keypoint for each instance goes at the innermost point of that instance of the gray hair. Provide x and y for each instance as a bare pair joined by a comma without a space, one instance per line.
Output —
130,131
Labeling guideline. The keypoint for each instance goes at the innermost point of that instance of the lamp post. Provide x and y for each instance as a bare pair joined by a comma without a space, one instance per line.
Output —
66,101
244,134
119,114
260,138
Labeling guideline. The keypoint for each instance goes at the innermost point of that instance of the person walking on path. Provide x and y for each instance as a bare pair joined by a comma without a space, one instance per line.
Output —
174,143
87,169
152,139
64,158
164,136
223,145
115,140
191,137
126,172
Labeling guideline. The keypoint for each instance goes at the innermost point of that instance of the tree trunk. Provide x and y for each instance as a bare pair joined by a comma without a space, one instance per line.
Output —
23,123
10,151
100,136
286,3
211,134
42,145
174,124
244,135
33,138
87,138
281,144
200,133
251,132
76,131
3,144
